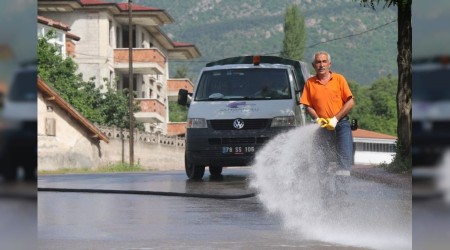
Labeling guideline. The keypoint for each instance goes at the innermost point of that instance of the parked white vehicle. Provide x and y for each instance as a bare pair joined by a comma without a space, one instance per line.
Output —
18,136
431,119
238,105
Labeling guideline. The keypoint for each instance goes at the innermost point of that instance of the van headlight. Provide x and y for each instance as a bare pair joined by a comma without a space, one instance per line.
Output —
196,123
283,121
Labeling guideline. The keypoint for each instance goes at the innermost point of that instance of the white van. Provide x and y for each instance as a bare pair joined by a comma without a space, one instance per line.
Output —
430,121
238,105
18,135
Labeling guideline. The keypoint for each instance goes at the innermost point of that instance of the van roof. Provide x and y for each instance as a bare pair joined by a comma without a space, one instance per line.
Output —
300,67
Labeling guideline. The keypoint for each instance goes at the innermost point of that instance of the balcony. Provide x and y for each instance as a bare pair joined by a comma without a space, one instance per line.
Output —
152,111
145,61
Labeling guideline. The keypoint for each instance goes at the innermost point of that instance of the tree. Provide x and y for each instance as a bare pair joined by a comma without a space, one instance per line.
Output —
376,109
109,108
60,74
182,72
404,57
294,34
115,108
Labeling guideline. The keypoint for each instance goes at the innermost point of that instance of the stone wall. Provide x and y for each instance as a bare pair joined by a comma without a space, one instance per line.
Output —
151,151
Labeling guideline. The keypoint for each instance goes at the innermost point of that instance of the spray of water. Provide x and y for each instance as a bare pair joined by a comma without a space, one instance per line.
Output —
289,185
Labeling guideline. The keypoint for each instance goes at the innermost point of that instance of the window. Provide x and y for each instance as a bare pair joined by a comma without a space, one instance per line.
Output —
118,44
111,29
374,147
126,82
59,40
125,38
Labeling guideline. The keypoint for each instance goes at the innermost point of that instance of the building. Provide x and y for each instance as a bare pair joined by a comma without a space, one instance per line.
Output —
64,40
174,85
103,50
372,147
65,137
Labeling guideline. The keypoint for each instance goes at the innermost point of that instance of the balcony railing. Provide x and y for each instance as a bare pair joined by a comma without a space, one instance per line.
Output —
152,110
142,58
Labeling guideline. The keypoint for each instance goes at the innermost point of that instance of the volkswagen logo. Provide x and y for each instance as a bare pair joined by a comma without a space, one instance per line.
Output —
238,124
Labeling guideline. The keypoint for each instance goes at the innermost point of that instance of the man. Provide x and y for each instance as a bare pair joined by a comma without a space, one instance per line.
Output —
273,89
328,100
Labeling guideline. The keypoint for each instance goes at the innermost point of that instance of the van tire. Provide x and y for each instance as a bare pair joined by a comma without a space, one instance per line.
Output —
215,171
194,172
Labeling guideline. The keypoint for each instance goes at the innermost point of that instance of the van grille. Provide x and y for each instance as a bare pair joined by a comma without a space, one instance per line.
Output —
248,124
241,140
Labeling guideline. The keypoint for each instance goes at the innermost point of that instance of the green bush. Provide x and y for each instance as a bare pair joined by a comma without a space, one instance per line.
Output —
177,113
399,164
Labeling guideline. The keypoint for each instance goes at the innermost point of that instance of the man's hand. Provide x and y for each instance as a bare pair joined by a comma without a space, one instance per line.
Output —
331,123
322,122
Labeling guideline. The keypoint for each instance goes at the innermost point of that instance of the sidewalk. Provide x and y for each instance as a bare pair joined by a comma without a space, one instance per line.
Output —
373,173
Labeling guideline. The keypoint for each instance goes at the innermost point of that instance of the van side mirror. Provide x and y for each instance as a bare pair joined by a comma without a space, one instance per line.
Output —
354,124
182,97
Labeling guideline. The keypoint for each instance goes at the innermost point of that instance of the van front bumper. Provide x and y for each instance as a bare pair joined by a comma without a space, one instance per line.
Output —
207,147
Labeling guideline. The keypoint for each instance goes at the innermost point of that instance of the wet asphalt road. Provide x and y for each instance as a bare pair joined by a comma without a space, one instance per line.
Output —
431,222
122,221
18,217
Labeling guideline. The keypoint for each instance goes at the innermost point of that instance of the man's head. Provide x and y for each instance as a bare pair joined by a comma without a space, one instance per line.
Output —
321,62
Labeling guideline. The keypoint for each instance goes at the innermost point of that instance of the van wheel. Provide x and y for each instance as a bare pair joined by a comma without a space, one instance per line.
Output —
215,171
194,172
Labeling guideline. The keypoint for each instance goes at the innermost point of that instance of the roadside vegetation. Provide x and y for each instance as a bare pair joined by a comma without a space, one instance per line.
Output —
110,168
177,113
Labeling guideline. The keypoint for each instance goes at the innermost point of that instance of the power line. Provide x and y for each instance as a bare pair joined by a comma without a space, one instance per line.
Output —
272,53
328,41
352,35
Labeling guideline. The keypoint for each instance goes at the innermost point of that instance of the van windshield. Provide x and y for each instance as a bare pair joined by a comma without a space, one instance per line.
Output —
431,85
249,83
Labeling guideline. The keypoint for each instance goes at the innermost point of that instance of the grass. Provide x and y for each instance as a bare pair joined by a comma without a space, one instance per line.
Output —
110,168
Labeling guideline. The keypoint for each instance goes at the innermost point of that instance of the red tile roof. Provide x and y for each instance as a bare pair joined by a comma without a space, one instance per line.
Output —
362,133
53,23
59,25
121,6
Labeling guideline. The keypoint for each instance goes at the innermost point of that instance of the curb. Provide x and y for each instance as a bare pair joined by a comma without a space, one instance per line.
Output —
382,176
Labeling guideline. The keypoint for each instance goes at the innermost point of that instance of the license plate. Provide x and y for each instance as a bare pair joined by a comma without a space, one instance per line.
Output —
238,150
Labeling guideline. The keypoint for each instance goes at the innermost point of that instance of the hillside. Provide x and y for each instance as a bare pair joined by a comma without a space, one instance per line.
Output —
225,28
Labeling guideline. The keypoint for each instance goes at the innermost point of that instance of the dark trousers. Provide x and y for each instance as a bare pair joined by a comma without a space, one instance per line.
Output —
334,146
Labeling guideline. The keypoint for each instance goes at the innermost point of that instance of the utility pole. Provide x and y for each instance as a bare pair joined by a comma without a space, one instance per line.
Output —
130,82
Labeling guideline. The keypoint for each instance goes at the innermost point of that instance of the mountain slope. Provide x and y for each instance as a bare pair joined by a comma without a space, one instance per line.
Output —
363,48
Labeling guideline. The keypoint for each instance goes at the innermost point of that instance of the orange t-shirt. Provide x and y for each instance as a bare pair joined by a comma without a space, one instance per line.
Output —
327,100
